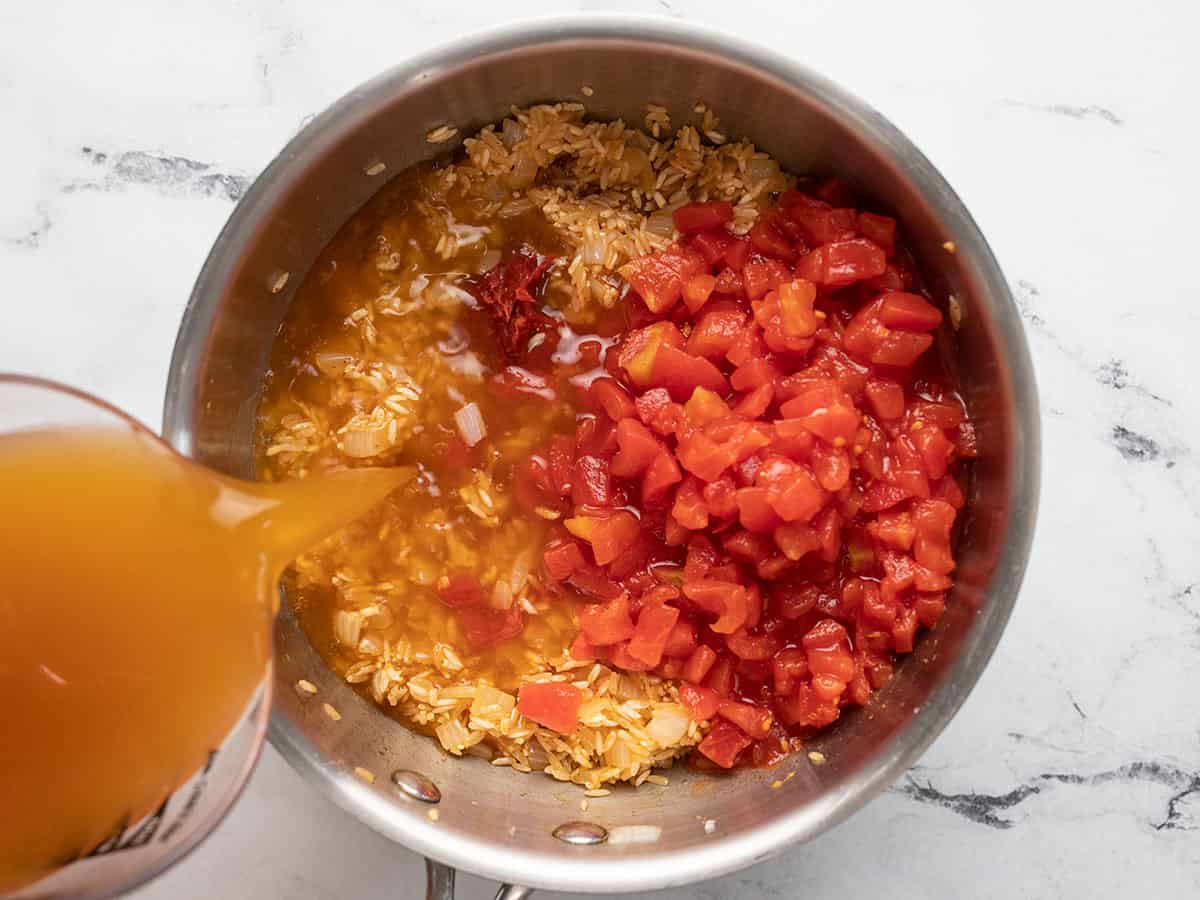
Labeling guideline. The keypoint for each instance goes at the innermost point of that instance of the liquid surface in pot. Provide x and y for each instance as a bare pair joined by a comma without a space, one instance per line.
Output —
136,597
688,460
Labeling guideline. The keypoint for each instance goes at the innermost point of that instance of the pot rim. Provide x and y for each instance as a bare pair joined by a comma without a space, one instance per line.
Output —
719,855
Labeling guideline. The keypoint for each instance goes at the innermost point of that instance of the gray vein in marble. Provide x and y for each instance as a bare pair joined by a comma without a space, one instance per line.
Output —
169,174
1071,111
986,809
1133,446
31,239
1113,374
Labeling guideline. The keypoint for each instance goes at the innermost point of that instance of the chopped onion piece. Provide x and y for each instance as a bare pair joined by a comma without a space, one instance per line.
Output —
470,424
520,572
593,251
762,167
512,133
365,441
502,595
668,725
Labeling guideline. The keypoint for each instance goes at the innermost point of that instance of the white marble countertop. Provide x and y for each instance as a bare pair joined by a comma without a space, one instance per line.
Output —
1068,129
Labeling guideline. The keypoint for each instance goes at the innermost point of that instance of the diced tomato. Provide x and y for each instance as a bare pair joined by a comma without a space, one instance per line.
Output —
700,703
879,229
824,224
825,635
747,546
831,466
729,282
713,245
886,398
590,485
460,589
904,631
621,658
931,547
681,642
843,262
640,349
553,704
766,239
908,312
681,373
654,625
796,308
592,581
754,510
583,650
715,333
929,608
754,647
723,743
881,495
805,709
662,472
788,667
658,278
698,664
704,406
736,254
563,559
761,276
659,411
703,457
935,448
697,290
608,623
895,529
900,348
637,448
612,398
728,600
690,509
792,491
613,535
487,627
747,346
751,719
755,403
720,677
696,217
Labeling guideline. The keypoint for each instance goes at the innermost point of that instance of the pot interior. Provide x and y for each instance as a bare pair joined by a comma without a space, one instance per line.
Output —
494,821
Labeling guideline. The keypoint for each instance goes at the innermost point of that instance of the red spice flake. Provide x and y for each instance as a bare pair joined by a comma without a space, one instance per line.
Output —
507,291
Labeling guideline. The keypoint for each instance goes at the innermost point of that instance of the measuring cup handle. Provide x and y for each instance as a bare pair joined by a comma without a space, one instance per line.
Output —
439,884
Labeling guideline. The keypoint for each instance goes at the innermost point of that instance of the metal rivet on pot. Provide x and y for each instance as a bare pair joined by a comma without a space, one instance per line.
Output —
417,786
581,833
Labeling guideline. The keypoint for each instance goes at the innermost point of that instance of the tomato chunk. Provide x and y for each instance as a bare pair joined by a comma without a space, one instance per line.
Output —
552,704
654,626
695,217
608,623
723,743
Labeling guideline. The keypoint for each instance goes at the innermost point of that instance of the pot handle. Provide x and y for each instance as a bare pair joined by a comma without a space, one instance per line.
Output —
439,884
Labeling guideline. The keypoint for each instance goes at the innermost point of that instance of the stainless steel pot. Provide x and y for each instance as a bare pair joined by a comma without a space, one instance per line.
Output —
492,821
